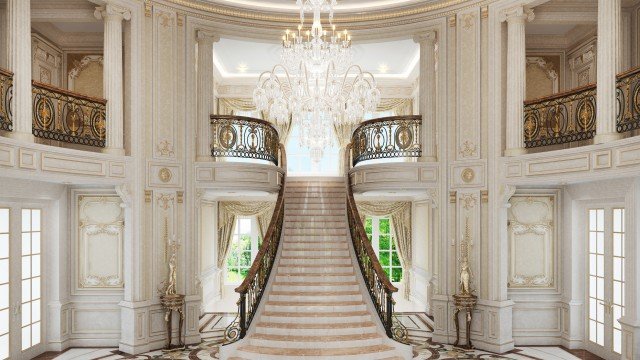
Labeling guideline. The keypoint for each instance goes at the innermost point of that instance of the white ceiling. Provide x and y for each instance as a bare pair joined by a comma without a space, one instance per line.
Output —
81,27
343,5
235,58
549,29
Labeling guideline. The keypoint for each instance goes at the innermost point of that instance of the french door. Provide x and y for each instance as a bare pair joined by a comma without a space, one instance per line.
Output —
606,280
20,282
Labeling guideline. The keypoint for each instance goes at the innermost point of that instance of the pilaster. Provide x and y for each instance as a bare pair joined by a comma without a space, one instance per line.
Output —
427,93
609,64
113,16
516,76
205,42
19,62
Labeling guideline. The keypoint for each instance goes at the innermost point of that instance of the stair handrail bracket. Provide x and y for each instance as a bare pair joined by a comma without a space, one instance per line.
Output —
378,284
254,285
244,137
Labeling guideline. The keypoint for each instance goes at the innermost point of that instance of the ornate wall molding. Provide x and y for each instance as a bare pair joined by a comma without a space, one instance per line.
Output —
532,241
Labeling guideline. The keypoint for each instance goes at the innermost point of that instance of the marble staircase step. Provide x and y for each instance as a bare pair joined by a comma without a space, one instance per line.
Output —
364,352
314,306
311,288
306,268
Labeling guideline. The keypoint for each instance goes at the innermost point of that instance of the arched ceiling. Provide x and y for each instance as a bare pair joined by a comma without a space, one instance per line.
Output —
342,7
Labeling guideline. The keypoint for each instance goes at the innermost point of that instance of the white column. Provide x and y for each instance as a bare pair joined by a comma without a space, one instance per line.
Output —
19,62
113,78
609,20
427,93
516,77
205,93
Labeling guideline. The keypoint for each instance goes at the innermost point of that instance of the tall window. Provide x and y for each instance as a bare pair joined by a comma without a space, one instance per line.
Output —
618,306
596,276
31,305
299,158
379,231
243,249
4,283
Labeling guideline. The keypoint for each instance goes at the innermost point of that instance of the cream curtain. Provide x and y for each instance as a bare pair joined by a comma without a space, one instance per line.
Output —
400,214
228,211
401,106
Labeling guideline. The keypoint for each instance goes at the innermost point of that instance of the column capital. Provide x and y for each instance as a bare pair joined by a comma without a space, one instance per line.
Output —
207,36
518,13
112,12
426,36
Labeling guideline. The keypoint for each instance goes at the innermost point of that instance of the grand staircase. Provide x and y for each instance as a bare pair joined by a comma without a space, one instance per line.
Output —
316,305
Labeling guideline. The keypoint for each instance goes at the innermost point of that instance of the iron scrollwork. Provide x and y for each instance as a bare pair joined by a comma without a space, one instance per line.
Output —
628,96
65,116
378,284
389,137
244,137
252,288
6,95
561,118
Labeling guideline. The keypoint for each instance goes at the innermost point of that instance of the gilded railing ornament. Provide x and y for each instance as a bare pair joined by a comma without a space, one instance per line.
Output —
65,116
244,137
464,300
6,95
560,118
628,95
389,137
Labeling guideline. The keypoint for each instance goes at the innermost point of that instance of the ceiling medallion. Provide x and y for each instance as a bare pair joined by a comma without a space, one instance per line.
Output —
316,85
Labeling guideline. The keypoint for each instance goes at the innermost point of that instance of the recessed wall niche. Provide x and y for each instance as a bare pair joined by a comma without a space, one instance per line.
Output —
532,241
100,230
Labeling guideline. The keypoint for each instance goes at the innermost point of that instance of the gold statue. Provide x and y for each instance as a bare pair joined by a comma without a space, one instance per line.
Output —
171,285
465,277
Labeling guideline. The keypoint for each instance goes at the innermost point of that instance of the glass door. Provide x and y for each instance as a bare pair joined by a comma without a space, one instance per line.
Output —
606,281
20,282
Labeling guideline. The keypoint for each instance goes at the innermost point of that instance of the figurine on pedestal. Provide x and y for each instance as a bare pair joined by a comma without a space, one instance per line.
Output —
170,300
465,300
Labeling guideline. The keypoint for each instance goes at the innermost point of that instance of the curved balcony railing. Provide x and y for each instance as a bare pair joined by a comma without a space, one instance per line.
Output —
561,118
254,284
388,137
378,284
66,116
628,94
244,137
6,94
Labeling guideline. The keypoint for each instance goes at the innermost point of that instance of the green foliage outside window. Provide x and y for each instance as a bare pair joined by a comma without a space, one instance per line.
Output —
379,232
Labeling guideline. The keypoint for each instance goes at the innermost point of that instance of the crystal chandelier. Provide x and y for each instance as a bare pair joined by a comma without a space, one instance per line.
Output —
316,85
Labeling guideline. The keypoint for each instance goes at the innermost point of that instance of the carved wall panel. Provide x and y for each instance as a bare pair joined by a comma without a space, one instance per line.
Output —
100,241
468,87
542,76
582,64
85,74
532,244
165,40
47,61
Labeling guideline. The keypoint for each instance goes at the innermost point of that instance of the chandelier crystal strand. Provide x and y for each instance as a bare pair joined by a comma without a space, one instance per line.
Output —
316,85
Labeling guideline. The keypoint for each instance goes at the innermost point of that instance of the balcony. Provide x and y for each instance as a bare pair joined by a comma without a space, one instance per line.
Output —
246,156
6,95
570,117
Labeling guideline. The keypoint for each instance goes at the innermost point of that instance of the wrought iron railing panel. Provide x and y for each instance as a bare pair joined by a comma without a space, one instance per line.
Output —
254,284
628,94
389,137
244,137
378,284
6,95
561,118
65,116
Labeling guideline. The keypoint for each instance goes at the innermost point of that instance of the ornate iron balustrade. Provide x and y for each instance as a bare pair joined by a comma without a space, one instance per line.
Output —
244,137
378,284
561,118
6,95
66,116
388,137
628,94
255,282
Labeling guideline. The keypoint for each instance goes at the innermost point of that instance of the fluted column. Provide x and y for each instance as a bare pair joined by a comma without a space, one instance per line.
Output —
427,94
516,77
19,62
205,93
609,20
113,80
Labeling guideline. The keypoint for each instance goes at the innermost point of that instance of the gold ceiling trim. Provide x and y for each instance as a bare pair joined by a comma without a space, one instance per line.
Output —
273,17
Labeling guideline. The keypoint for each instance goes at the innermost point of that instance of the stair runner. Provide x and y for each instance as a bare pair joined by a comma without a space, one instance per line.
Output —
315,308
